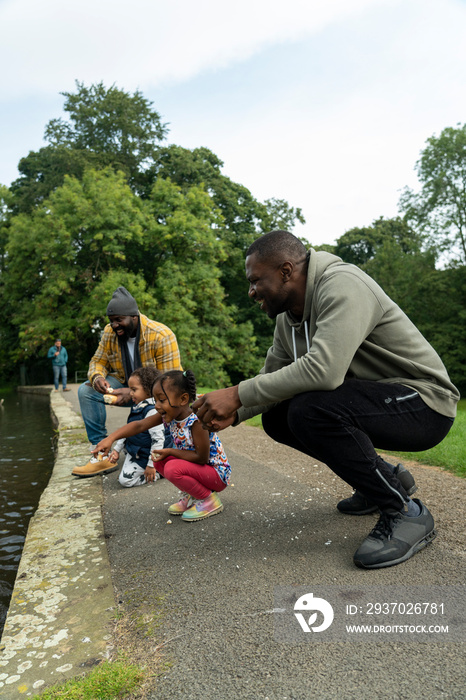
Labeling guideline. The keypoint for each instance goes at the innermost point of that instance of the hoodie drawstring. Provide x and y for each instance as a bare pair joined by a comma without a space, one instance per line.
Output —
293,334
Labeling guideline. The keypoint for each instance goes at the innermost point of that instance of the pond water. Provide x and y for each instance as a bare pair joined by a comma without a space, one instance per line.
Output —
26,463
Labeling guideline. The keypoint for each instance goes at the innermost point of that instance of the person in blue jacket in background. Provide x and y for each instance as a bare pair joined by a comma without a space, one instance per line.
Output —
57,353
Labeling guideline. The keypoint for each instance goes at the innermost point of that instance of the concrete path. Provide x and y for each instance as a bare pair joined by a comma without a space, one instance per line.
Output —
211,584
208,588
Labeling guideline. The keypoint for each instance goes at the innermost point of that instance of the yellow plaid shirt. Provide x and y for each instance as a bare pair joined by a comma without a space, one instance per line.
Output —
157,346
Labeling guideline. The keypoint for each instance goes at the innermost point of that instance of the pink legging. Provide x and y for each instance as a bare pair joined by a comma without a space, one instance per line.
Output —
199,480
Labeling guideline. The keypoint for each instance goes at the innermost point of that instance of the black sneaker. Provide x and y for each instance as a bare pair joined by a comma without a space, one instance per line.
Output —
357,504
395,538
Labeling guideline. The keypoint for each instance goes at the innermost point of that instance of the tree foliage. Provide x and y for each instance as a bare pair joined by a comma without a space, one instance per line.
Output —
106,127
110,121
359,245
59,252
391,252
104,204
244,219
438,210
5,203
94,234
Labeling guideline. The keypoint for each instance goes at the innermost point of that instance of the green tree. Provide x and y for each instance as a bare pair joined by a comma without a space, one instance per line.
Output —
7,330
105,127
5,205
103,204
446,327
410,280
44,170
109,121
185,235
434,299
59,253
390,251
244,219
280,215
92,235
438,210
359,245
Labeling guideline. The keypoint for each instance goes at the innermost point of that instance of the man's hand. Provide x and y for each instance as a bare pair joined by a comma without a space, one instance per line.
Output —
218,425
101,385
217,409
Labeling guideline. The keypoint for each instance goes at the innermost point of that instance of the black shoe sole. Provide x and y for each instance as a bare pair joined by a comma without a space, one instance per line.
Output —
414,549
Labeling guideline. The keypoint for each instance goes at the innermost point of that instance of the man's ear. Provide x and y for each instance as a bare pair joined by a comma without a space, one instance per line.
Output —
286,270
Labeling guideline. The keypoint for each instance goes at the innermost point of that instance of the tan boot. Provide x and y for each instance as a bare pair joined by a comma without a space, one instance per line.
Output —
94,467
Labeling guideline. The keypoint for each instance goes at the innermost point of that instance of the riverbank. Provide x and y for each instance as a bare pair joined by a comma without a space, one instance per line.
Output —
62,603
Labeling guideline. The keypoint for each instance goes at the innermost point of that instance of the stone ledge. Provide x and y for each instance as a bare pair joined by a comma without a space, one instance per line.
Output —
62,603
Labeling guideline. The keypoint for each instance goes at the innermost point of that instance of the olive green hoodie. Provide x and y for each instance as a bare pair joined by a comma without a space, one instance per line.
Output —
350,329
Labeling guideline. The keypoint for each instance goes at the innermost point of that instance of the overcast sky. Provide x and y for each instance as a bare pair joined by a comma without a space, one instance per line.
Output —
324,103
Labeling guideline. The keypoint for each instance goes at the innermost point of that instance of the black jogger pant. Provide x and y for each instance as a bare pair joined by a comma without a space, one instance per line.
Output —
343,427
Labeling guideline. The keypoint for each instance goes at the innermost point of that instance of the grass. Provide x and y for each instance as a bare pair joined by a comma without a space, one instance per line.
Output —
107,681
255,421
131,672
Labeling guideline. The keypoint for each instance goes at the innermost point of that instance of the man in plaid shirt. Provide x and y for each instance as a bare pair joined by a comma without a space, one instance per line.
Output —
129,341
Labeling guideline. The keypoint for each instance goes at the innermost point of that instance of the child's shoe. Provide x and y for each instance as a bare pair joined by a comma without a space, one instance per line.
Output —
182,505
203,509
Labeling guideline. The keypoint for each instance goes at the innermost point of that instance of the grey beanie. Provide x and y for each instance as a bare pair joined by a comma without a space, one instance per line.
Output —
122,304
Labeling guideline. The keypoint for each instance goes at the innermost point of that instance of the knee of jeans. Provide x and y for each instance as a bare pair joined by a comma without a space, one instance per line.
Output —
83,389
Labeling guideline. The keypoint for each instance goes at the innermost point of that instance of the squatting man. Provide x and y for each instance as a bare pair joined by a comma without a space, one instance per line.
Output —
347,373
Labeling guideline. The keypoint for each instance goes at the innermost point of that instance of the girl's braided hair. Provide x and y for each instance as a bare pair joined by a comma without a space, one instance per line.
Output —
147,377
185,382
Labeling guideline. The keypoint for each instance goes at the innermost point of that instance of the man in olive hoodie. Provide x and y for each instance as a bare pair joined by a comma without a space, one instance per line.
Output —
348,372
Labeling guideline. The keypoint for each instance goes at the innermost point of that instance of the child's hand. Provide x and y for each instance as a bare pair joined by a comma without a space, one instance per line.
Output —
103,446
158,455
114,456
150,473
